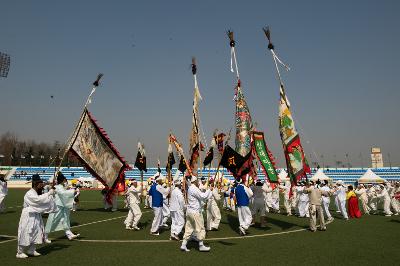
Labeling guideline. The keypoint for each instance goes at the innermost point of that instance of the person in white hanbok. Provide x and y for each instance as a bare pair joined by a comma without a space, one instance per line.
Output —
213,212
31,227
361,192
326,199
259,204
177,208
285,190
304,201
133,198
340,192
384,195
194,219
3,192
64,199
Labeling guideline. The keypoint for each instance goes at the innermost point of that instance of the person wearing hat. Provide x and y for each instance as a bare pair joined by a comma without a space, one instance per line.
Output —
326,200
157,192
64,200
340,193
315,195
177,209
203,184
133,198
391,188
285,189
384,195
213,212
3,192
361,192
372,199
259,205
243,195
304,201
31,227
194,218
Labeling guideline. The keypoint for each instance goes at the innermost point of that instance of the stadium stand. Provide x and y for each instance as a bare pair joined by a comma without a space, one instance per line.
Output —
348,175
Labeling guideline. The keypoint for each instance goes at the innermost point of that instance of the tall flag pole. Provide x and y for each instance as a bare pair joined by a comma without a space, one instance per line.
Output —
92,147
140,163
179,149
242,115
194,141
296,161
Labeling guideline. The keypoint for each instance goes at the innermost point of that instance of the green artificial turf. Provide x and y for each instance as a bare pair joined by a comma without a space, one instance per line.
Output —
371,240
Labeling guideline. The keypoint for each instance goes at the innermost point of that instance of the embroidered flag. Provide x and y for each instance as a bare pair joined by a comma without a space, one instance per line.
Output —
294,154
171,158
182,165
243,124
209,156
220,142
91,145
265,157
232,160
140,161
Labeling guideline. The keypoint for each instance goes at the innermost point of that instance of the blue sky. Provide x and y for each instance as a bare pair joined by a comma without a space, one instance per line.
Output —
343,85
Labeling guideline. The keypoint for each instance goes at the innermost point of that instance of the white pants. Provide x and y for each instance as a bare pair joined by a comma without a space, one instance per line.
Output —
337,204
226,202
134,215
286,203
233,204
259,206
275,204
194,226
325,207
342,207
314,209
166,213
213,215
386,206
303,208
373,204
29,249
245,217
395,205
157,221
2,204
365,207
177,222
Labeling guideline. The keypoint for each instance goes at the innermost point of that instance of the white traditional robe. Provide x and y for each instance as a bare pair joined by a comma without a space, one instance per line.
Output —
60,220
213,212
31,227
362,196
3,194
177,208
133,199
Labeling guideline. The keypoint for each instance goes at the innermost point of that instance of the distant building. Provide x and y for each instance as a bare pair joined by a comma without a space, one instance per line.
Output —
376,158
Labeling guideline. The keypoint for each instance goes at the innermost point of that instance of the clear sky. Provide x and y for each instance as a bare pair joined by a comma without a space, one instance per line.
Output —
343,86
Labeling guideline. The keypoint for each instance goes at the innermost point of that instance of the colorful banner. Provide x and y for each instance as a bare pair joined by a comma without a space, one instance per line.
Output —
294,154
96,151
243,124
265,157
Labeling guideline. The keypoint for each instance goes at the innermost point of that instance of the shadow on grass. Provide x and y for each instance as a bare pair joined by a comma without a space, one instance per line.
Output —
233,222
394,221
7,212
283,224
224,243
52,247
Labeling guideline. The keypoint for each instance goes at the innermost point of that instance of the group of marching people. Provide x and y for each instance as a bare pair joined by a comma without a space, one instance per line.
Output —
168,203
57,200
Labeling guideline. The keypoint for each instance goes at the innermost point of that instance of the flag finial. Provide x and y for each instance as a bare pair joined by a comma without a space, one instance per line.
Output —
96,82
194,66
268,35
232,40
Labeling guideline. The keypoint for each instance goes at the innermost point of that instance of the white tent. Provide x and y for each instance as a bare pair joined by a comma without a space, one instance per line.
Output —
319,175
370,177
283,176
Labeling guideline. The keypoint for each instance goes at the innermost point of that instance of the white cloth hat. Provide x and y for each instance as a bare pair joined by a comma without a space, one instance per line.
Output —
160,178
177,182
339,182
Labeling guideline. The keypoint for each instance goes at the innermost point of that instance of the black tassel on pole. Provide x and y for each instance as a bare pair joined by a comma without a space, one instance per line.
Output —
194,66
96,83
268,35
232,40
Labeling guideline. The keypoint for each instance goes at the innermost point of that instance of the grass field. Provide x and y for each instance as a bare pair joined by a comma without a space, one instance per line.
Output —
371,240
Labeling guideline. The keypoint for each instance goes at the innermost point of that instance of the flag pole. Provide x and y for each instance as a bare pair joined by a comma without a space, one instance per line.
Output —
75,132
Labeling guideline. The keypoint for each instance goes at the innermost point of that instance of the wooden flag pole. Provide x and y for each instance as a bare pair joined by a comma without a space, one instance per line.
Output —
75,132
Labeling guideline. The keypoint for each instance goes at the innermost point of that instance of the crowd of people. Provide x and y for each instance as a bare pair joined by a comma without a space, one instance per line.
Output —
201,209
189,213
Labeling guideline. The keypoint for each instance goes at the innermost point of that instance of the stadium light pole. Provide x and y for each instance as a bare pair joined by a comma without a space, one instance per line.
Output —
390,162
348,162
